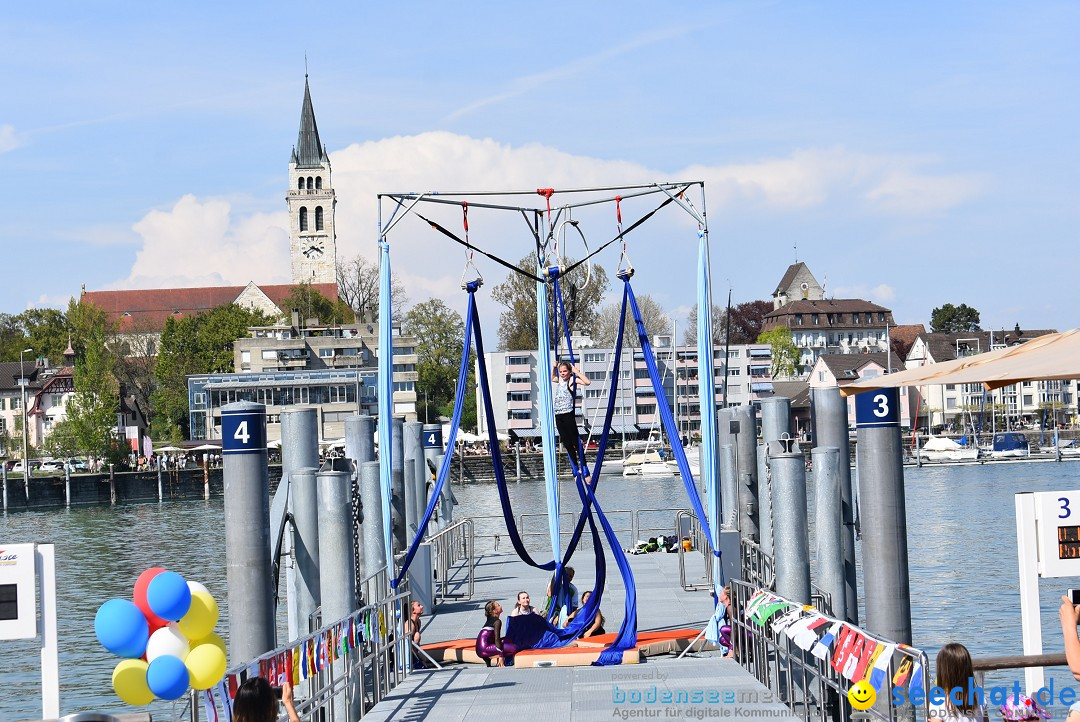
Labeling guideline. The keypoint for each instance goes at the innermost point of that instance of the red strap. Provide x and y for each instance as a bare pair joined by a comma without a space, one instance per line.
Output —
547,193
618,209
465,214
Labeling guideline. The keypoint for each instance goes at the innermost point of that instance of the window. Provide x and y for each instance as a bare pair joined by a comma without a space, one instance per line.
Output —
641,373
647,409
733,372
402,368
1028,400
815,319
950,387
303,218
318,182
299,184
517,360
200,398
624,373
517,378
348,351
734,353
1027,384
829,318
403,386
881,317
310,185
869,318
820,375
318,218
269,354
245,357
594,393
595,375
518,396
798,319
950,403
521,414
855,318
596,357
326,352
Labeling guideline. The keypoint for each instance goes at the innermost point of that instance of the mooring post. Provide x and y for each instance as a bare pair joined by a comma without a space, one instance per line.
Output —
746,469
374,557
299,462
884,514
829,528
248,566
397,483
337,585
775,425
414,465
830,419
791,535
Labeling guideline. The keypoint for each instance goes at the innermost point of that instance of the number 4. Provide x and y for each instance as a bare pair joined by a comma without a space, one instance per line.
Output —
241,433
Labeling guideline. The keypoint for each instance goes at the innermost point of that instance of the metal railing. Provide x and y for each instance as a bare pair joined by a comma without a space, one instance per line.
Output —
809,686
450,546
361,676
686,519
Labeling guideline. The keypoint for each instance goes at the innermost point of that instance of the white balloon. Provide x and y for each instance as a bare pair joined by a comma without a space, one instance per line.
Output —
196,587
167,640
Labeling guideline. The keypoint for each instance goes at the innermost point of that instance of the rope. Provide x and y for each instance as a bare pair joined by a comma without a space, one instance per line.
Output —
501,262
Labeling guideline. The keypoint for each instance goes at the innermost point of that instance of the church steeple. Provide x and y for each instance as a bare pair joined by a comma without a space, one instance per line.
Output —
308,151
311,199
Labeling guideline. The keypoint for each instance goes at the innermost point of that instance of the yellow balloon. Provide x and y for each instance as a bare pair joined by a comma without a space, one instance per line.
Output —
211,639
129,681
206,665
201,616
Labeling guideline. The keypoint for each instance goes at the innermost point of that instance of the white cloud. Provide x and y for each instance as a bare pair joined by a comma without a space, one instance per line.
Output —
199,243
204,242
882,293
8,139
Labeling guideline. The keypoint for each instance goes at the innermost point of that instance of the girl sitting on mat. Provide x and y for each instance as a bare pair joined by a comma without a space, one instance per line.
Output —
489,643
523,606
597,626
566,376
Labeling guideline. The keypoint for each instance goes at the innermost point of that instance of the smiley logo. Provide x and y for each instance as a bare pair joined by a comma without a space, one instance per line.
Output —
862,696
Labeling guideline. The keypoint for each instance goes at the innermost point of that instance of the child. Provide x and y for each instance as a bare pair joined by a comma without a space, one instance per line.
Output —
954,670
1018,709
489,643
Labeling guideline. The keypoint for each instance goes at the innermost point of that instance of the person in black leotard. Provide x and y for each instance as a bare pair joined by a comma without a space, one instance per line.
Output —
566,376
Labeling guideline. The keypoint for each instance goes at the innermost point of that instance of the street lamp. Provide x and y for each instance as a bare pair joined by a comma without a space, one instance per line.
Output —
25,430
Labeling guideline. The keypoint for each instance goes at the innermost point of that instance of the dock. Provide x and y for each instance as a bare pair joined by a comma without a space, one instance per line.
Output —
699,686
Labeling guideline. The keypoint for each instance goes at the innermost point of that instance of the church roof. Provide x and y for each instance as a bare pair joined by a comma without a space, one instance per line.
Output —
146,310
789,277
308,151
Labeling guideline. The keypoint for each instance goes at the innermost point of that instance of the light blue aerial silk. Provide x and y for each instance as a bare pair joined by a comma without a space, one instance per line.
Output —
547,427
386,399
707,394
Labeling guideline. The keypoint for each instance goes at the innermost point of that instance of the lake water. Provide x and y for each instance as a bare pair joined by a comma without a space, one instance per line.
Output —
961,532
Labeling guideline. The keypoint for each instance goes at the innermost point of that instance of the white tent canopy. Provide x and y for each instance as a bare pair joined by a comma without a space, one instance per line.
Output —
1043,358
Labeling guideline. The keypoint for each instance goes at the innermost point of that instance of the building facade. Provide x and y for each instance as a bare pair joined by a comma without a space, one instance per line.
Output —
515,379
839,370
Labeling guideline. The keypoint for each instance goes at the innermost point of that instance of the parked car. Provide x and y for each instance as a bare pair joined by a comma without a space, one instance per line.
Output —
77,466
51,466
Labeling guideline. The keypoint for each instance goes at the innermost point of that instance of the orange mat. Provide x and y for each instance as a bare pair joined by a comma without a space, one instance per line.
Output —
583,652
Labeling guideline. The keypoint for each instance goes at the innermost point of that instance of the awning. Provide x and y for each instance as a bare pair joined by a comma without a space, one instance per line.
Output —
526,433
624,429
1044,358
761,386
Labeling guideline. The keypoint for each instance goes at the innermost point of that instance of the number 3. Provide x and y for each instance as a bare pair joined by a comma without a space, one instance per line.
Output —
1065,508
882,409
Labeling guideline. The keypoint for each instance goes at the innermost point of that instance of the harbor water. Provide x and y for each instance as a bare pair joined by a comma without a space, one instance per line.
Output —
962,542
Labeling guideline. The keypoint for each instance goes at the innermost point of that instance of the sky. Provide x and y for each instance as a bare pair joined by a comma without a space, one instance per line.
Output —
913,154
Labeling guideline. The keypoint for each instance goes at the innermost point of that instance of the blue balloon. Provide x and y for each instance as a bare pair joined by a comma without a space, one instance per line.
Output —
167,677
121,628
169,596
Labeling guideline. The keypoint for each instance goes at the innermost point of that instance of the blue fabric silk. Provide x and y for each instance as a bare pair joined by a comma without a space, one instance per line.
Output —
386,399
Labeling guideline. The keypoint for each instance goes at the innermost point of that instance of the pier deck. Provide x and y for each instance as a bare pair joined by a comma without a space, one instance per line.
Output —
462,692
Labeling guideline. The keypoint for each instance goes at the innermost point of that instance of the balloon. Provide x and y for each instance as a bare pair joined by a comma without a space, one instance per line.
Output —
121,628
201,616
167,677
168,596
210,639
206,665
140,597
129,681
167,641
197,587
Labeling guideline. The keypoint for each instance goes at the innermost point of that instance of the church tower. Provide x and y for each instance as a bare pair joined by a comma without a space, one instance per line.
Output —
311,199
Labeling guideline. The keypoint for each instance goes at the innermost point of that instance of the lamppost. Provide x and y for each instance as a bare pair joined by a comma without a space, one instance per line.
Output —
25,430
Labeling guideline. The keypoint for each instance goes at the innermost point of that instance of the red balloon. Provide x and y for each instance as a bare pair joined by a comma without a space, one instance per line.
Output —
141,584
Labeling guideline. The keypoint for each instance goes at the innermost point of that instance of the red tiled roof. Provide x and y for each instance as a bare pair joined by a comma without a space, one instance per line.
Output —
146,310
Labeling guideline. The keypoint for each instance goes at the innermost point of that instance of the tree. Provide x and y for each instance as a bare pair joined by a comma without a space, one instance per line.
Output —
606,328
91,412
200,344
309,303
690,335
440,341
954,319
358,286
785,357
517,324
747,320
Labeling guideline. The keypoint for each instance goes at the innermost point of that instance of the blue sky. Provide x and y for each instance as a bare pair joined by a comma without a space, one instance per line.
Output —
916,153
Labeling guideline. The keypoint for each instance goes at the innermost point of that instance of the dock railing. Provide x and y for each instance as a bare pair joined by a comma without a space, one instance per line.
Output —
809,686
454,544
353,678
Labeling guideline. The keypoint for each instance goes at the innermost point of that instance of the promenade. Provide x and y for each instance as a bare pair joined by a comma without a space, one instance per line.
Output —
461,692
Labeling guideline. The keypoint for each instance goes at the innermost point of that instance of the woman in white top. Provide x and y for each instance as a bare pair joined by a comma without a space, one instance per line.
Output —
566,376
954,670
523,606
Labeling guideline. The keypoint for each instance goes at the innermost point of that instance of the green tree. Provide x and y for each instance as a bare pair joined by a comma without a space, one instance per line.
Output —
606,328
198,344
440,341
309,303
517,294
954,319
785,357
91,412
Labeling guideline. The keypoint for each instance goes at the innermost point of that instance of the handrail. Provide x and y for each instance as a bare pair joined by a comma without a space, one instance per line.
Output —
446,545
809,686
1018,661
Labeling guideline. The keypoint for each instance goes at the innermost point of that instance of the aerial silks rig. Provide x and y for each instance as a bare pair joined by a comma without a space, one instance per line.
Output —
546,225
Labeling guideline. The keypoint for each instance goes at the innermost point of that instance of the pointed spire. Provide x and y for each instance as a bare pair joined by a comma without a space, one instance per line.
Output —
308,151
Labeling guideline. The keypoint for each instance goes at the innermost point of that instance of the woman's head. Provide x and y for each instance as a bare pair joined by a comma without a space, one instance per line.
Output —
255,702
585,597
954,669
564,369
492,608
523,599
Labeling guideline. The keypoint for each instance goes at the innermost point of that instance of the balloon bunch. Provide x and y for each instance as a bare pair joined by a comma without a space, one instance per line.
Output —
166,635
